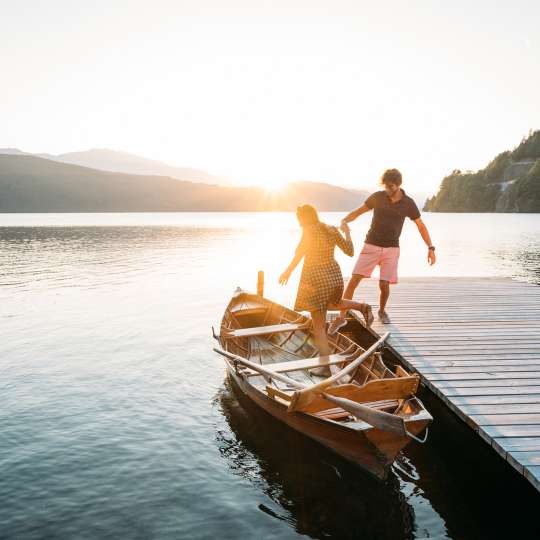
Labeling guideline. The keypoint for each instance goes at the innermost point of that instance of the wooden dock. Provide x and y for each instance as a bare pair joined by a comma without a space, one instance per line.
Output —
476,344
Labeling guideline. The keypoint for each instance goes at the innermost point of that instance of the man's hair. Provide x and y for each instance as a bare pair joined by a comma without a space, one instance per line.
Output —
307,215
391,176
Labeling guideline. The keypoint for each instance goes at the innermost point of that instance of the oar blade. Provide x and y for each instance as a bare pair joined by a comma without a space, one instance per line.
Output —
378,419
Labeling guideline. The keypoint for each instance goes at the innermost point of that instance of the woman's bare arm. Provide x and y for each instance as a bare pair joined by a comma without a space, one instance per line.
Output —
298,256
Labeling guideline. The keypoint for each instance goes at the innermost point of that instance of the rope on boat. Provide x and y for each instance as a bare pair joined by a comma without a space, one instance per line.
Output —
417,439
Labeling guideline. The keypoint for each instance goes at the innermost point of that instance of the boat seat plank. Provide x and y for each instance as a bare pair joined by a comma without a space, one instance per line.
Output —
249,311
336,413
305,363
264,330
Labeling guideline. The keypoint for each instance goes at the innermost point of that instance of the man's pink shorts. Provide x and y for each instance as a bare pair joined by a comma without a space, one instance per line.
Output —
372,256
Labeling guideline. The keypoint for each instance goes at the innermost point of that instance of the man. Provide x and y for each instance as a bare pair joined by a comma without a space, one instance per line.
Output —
390,208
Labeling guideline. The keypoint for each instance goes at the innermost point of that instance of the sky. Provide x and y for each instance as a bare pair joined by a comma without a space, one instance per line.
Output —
265,92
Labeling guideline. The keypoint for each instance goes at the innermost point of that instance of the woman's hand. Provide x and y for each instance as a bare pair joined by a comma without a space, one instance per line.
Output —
345,227
284,278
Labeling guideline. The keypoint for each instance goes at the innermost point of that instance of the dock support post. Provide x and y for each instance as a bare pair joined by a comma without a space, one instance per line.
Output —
260,283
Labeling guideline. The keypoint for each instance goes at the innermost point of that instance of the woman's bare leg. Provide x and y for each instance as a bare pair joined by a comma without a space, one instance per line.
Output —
349,291
319,332
321,339
345,304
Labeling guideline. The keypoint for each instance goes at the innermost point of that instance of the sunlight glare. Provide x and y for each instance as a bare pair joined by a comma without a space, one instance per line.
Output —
274,186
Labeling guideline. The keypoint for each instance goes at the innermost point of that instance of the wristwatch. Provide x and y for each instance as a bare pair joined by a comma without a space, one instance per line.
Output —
431,248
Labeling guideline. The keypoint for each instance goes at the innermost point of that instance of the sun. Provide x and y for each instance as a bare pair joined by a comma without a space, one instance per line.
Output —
275,186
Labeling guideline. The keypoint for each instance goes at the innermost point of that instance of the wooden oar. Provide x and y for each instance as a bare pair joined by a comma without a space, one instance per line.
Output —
303,397
261,369
378,419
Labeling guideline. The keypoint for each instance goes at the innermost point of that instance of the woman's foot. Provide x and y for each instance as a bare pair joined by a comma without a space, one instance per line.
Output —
323,371
367,313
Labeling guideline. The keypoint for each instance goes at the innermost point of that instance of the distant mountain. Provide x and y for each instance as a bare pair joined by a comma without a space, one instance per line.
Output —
33,184
510,183
111,160
13,152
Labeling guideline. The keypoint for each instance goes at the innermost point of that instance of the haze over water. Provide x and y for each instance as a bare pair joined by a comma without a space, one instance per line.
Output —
117,421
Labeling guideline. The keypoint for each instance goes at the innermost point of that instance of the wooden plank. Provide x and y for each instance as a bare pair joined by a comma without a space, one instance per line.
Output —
305,363
430,371
276,392
504,408
511,431
533,475
527,347
480,348
448,354
468,375
498,383
466,340
505,419
468,329
474,357
494,399
264,330
488,391
525,458
427,365
510,444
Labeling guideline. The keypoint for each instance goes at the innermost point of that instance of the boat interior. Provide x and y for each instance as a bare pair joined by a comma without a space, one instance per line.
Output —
273,336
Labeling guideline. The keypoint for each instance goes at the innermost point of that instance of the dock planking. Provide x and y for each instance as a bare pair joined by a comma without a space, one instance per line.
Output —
476,344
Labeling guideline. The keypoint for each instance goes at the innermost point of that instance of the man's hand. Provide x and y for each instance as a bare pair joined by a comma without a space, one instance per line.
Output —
431,258
284,278
344,226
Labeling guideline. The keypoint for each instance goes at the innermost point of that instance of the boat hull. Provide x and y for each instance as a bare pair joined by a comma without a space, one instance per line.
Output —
371,449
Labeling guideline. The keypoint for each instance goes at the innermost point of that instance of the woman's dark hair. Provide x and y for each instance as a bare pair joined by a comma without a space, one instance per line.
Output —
391,176
307,215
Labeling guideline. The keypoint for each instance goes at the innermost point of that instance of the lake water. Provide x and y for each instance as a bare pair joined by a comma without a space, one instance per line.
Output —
117,421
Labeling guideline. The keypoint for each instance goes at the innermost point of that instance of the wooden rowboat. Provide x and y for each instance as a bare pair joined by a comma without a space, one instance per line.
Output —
364,411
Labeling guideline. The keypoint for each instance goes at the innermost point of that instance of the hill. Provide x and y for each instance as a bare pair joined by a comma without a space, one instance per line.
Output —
510,183
111,160
33,184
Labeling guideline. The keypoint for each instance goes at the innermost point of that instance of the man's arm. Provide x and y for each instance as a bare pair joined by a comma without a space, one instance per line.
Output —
351,216
422,229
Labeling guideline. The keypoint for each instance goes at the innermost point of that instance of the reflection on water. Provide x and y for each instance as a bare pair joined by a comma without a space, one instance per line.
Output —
318,493
108,386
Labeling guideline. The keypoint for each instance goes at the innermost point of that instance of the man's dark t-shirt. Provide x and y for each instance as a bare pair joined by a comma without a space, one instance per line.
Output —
388,218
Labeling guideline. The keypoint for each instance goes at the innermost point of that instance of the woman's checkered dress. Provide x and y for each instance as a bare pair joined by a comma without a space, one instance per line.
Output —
321,282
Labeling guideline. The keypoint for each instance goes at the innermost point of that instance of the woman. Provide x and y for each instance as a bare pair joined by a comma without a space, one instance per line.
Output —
321,282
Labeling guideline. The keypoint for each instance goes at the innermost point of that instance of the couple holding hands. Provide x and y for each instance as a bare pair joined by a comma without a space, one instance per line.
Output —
321,287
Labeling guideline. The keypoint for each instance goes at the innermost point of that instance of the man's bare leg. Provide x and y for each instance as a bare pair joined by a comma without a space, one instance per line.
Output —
384,287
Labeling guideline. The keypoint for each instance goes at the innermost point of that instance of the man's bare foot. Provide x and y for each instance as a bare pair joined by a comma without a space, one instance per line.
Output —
336,324
384,318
